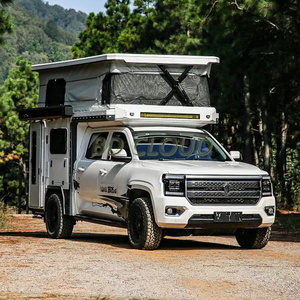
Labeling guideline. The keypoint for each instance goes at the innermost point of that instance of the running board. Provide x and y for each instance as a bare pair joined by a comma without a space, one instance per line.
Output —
101,221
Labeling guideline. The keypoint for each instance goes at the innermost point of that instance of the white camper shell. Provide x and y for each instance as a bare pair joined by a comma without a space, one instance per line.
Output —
117,139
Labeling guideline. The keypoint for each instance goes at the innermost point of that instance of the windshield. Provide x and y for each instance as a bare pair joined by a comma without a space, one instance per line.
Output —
158,145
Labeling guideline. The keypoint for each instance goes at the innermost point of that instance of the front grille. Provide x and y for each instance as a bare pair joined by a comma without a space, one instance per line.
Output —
224,191
224,201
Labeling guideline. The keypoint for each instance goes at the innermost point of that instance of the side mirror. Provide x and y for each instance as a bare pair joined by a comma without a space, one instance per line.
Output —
125,159
236,155
119,155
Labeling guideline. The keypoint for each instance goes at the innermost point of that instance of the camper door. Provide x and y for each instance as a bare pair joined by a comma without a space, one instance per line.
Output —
58,152
36,170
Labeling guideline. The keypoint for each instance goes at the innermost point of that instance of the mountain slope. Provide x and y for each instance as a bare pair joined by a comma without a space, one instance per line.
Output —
42,33
68,19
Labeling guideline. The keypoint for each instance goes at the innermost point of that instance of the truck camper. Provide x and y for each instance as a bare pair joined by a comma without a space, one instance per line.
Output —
118,139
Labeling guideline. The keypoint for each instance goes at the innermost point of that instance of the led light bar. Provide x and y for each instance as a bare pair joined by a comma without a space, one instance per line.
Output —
169,116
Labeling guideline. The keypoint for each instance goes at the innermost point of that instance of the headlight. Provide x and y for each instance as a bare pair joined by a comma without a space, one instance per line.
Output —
174,185
266,187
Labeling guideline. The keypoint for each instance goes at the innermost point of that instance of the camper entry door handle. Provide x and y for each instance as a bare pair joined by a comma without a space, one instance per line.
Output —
80,169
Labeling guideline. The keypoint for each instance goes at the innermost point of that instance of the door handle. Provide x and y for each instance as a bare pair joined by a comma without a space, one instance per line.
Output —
80,169
102,172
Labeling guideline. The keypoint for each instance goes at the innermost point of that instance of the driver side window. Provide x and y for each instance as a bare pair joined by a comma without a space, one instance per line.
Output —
119,145
96,145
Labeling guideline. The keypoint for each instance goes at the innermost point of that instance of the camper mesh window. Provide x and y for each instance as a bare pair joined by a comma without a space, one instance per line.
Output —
133,88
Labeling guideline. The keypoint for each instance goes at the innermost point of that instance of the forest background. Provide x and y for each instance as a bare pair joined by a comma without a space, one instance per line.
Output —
256,87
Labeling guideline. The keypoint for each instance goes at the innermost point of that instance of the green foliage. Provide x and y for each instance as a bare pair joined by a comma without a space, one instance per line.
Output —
104,32
5,21
255,88
290,222
19,91
41,33
291,197
67,19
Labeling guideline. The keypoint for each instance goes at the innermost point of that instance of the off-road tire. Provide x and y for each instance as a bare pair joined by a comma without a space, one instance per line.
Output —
253,238
143,232
58,226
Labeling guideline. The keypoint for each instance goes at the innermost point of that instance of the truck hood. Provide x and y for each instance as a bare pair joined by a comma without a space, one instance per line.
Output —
203,167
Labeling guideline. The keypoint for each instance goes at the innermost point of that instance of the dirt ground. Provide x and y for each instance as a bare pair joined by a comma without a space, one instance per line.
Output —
98,262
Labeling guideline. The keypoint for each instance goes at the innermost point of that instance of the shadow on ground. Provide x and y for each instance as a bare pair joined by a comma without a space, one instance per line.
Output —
121,240
285,229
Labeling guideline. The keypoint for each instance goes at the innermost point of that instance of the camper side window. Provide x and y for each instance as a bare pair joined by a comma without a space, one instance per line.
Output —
58,141
55,93
96,145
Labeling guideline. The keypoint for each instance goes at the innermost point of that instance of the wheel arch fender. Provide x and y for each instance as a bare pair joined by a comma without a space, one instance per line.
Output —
55,190
141,189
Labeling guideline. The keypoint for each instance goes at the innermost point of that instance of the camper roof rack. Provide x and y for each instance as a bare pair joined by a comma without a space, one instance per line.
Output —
149,115
131,115
43,113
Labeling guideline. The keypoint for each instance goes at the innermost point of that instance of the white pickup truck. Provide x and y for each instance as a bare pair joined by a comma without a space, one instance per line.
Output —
149,168
171,180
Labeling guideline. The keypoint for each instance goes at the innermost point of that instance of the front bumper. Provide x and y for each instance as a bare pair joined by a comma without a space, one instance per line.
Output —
208,221
203,216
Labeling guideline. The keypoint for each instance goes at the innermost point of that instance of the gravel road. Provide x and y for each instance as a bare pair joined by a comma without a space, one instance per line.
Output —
98,262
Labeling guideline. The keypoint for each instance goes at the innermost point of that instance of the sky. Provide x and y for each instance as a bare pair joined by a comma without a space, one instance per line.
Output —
86,6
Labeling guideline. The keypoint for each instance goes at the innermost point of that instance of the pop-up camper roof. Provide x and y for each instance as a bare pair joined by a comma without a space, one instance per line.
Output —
90,83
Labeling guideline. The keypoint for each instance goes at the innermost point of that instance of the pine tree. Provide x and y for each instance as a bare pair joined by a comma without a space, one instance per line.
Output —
103,30
20,90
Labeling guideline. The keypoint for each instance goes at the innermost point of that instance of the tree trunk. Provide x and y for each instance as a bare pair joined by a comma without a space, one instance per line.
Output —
282,153
266,137
248,146
259,136
255,152
222,134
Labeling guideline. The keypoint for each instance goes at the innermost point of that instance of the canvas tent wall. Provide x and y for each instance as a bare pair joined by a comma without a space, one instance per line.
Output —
89,83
